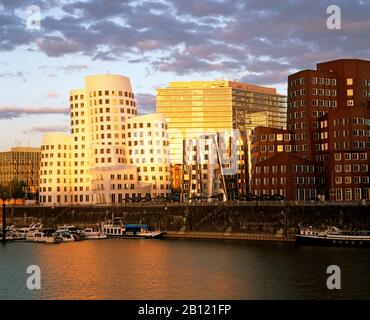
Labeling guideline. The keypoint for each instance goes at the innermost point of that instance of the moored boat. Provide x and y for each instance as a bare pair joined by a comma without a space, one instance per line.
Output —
333,236
138,231
91,234
44,236
77,233
66,236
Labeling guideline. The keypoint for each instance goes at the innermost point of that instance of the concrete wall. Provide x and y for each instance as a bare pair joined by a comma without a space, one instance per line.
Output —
267,218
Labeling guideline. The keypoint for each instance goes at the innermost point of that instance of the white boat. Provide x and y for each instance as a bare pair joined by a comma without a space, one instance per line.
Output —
91,234
47,236
21,233
333,236
130,231
67,227
66,236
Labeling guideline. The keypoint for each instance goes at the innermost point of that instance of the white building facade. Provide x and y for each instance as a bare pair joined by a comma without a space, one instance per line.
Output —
94,164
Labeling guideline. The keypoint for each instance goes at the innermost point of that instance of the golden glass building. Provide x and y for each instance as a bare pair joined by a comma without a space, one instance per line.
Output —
21,164
199,107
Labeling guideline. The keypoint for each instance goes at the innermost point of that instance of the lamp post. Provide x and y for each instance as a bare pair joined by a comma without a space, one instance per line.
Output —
4,219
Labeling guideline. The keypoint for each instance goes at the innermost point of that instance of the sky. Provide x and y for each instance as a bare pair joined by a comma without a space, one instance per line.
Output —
154,42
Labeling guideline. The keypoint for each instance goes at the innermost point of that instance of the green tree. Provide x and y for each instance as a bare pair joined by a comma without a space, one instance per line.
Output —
12,190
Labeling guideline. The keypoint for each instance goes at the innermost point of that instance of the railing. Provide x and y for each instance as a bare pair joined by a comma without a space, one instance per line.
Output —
207,204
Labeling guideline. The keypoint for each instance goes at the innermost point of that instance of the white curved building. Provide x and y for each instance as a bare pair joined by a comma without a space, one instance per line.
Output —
100,167
55,169
148,149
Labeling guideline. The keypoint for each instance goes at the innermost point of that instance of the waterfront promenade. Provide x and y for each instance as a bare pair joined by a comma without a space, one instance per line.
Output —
271,221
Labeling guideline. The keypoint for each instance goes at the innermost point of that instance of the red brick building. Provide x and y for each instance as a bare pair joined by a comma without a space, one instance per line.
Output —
328,123
287,175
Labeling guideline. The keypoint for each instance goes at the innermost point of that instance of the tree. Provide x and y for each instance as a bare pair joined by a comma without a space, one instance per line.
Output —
12,190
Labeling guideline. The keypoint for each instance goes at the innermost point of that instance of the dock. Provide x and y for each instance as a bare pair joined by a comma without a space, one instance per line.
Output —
226,236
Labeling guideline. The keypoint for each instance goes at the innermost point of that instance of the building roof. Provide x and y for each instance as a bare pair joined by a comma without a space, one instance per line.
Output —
285,158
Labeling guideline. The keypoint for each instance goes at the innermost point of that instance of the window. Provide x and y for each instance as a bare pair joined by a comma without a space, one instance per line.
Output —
348,194
349,81
339,194
350,92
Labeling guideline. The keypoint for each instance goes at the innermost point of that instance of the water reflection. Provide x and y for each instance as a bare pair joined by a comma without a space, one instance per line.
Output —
164,269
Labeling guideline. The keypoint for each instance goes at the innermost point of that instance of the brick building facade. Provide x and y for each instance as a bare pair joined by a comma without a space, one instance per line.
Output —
328,124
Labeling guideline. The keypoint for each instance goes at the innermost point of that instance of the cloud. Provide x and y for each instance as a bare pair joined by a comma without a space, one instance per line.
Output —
145,103
74,67
259,39
46,129
52,95
13,113
19,74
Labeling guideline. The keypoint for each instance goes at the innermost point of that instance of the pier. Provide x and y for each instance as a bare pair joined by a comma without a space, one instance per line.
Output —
226,236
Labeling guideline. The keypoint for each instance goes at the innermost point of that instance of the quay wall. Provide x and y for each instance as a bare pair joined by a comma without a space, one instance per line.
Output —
277,219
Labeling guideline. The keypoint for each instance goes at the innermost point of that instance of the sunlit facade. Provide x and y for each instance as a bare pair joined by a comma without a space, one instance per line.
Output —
199,108
56,184
148,149
21,164
94,164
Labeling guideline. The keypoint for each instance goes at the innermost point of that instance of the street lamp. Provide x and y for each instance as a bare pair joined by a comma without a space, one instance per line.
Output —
4,217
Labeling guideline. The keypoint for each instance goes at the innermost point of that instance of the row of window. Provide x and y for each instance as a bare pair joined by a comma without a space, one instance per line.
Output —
141,160
266,181
348,180
147,152
348,193
63,189
52,146
150,143
324,81
347,168
113,93
148,125
346,145
355,121
58,199
350,156
315,103
109,101
274,169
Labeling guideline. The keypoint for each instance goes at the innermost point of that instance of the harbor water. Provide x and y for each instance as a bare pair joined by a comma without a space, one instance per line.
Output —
182,269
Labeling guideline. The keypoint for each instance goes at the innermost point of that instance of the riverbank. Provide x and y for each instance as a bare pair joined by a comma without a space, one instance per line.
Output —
274,221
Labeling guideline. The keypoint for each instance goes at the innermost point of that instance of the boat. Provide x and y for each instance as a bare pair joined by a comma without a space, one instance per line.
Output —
21,233
138,231
44,236
333,236
66,236
67,227
76,232
91,234
8,232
